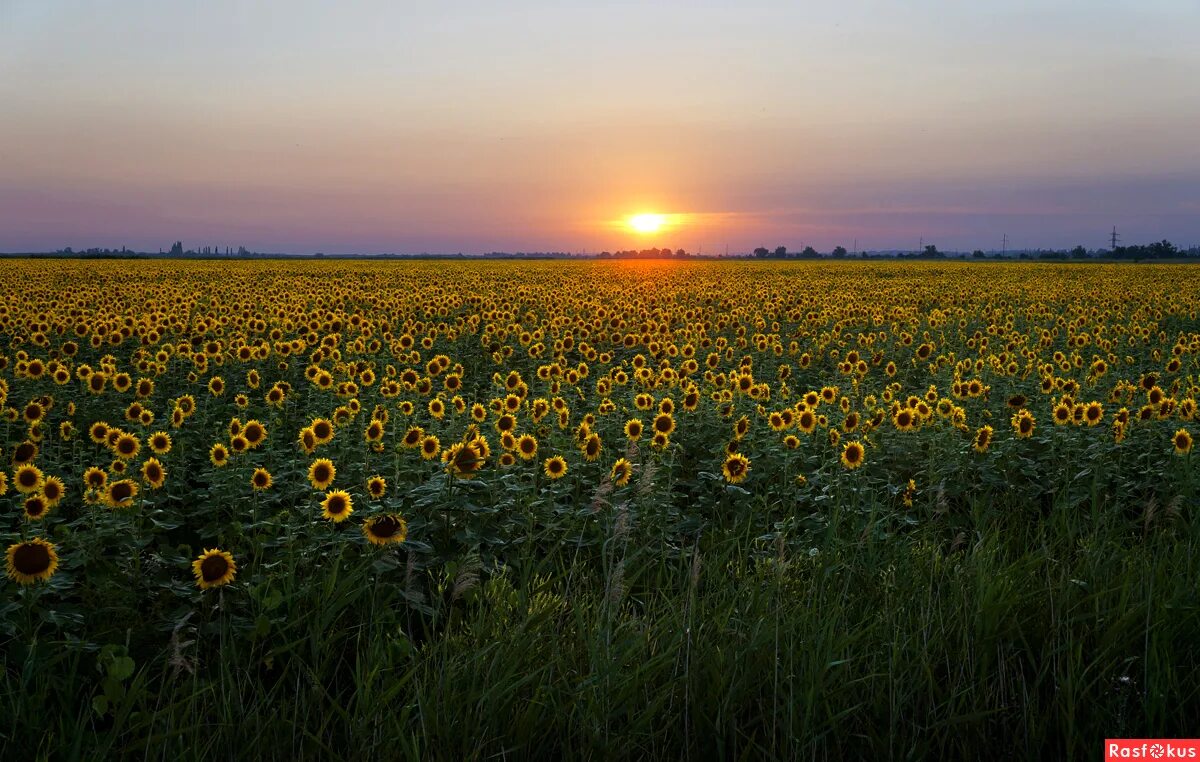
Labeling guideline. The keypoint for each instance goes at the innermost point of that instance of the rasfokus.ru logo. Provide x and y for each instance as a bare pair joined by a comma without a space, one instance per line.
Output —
1151,748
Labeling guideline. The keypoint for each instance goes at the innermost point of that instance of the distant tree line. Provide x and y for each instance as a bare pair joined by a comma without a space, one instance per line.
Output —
1153,251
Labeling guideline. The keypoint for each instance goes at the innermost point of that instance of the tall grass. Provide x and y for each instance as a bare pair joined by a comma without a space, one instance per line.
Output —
983,634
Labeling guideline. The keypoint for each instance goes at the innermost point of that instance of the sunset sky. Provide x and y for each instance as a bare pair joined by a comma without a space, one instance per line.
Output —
367,127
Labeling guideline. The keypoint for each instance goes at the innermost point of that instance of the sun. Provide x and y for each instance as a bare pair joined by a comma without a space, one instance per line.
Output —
647,223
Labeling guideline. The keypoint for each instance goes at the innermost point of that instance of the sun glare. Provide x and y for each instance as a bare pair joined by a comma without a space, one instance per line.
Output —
647,223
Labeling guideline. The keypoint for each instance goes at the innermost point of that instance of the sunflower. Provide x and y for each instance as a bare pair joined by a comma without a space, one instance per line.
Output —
255,433
31,561
385,530
186,405
741,427
321,473
25,452
95,478
527,446
98,431
3,483
1023,424
621,471
592,447
904,419
33,412
983,439
806,421
214,568
853,455
555,467
218,455
413,437
153,473
437,408
160,443
1062,414
323,429
463,459
261,480
120,494
239,444
374,431
337,506
430,447
36,507
127,446
1182,440
633,429
664,423
376,486
308,440
53,490
735,468
28,478
1093,413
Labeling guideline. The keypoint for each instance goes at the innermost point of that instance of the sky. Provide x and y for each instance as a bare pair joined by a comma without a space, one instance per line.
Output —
405,127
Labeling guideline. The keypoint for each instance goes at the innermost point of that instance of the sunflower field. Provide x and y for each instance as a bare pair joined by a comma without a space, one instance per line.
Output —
463,510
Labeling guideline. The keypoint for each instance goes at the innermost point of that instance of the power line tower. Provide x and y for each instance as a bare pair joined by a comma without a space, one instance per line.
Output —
1004,245
1114,239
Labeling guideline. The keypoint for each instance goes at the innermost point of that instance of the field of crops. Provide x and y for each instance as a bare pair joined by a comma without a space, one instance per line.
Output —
465,510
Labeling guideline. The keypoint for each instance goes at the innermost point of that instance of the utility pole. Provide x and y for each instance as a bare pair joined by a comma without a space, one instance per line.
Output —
1004,245
1114,239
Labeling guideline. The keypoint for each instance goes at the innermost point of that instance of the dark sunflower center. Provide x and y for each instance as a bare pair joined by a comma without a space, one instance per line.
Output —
27,478
31,558
337,504
121,491
35,506
213,568
385,527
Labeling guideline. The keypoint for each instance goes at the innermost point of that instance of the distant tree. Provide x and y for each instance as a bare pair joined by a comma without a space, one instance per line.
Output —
1163,249
680,253
762,252
978,254
839,252
1079,253
781,251
809,252
931,250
